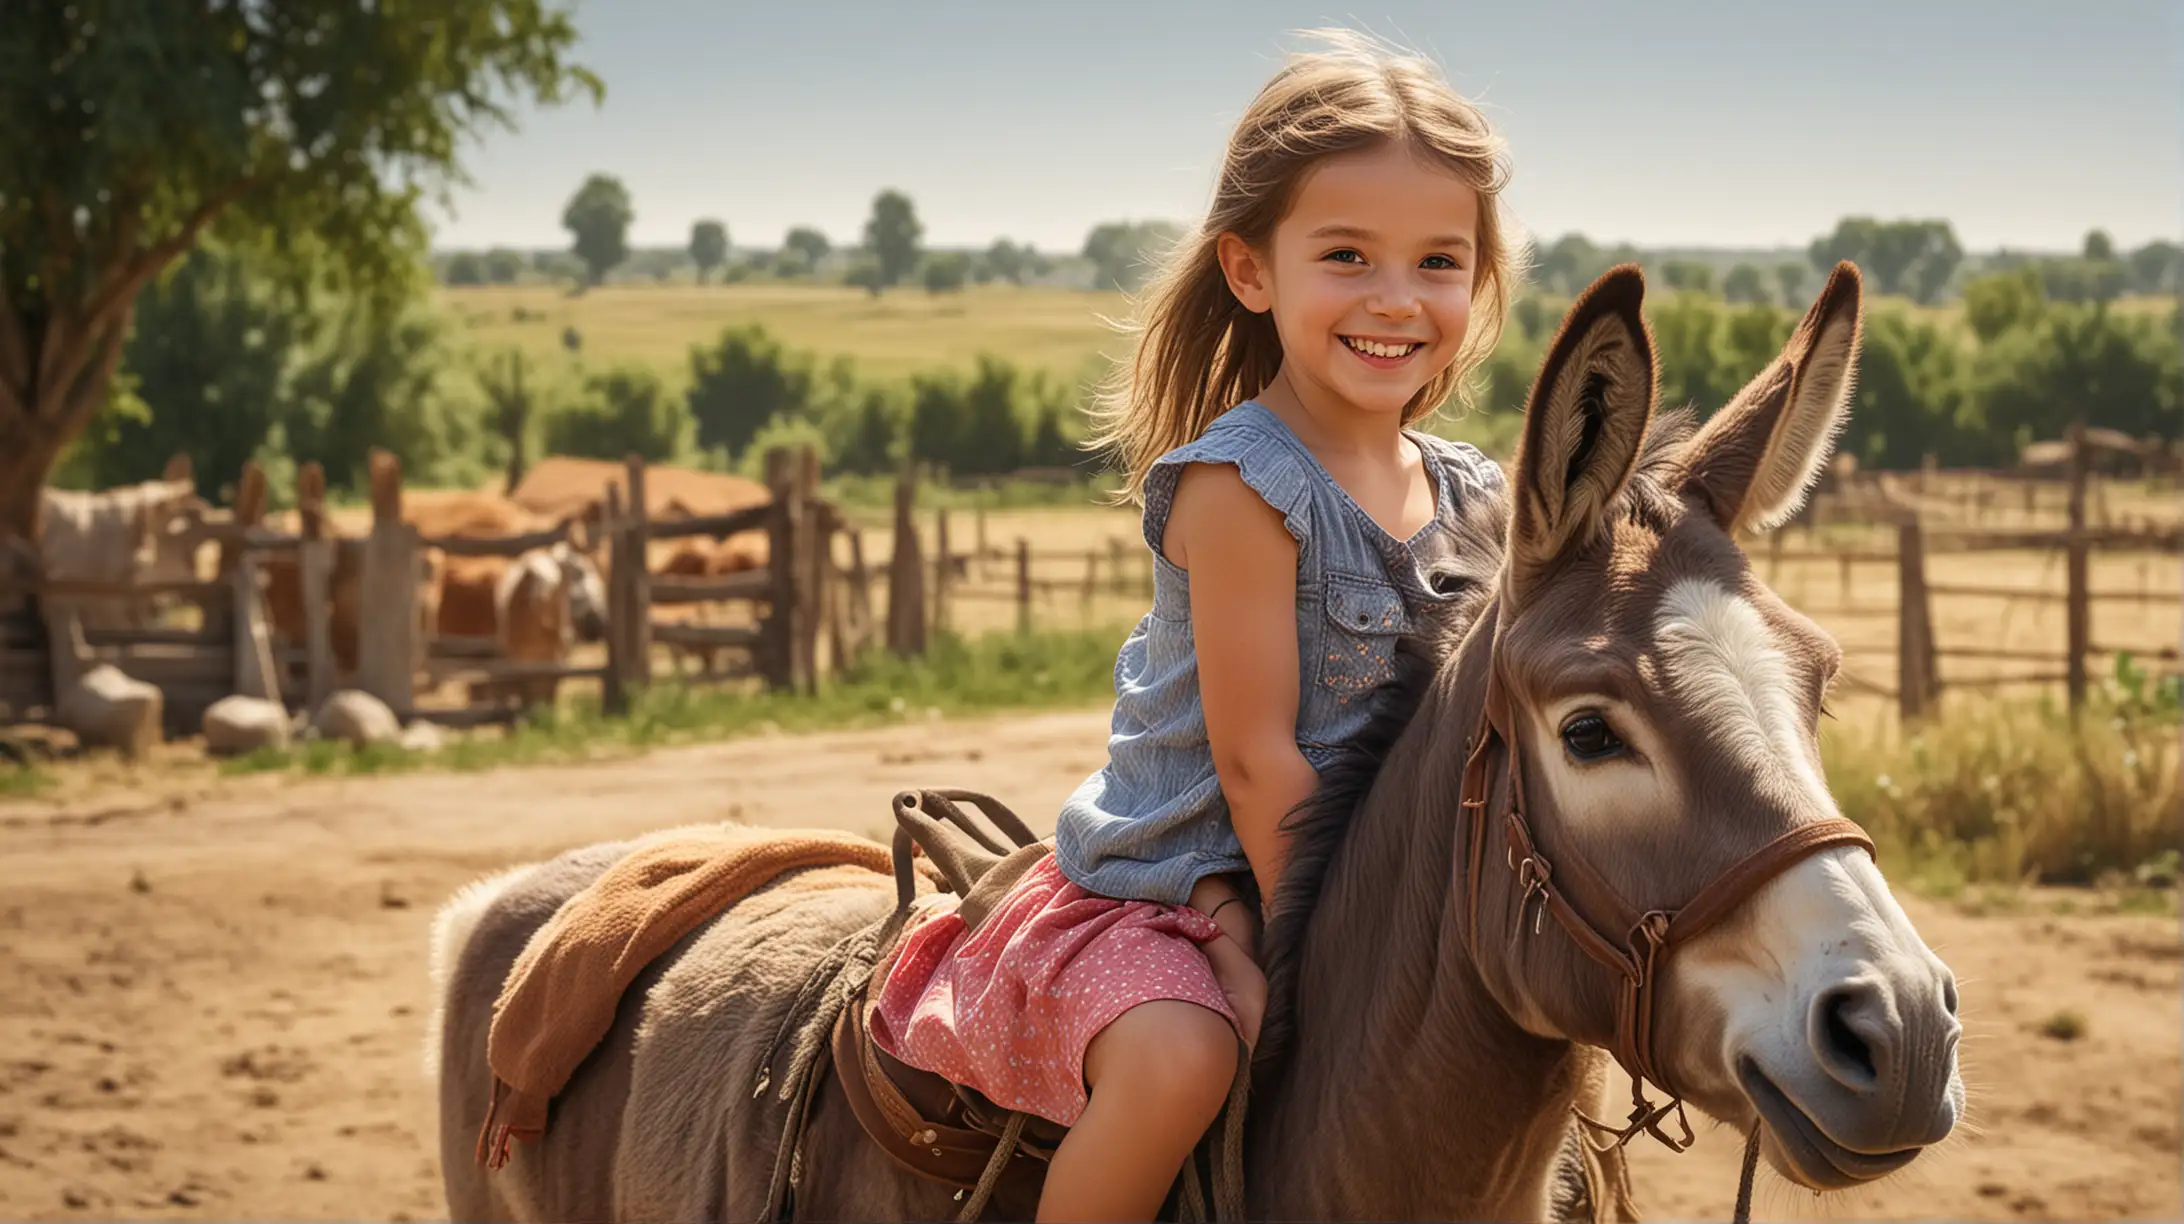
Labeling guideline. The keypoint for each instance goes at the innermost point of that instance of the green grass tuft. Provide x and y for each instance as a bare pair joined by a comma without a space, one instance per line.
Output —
999,671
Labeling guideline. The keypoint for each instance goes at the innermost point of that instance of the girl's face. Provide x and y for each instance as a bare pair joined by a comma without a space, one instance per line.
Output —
1368,277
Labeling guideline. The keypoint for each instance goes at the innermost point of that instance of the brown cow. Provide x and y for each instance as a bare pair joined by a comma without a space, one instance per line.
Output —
701,557
535,607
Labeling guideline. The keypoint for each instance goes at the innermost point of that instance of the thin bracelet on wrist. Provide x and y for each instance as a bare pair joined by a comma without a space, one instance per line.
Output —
1215,912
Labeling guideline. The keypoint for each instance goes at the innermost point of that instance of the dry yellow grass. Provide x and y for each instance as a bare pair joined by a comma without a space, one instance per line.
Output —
901,332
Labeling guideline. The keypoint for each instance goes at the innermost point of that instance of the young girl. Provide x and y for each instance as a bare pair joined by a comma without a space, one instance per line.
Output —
1354,266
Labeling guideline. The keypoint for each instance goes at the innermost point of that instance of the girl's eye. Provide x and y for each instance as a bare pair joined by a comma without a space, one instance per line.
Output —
1441,263
1345,255
1588,738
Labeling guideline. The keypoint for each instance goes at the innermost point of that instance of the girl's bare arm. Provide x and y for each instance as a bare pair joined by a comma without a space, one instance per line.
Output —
1243,568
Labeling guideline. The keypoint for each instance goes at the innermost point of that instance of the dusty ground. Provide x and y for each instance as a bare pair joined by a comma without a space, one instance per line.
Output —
211,1003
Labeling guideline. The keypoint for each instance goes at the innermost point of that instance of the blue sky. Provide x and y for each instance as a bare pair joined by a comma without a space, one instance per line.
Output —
1661,122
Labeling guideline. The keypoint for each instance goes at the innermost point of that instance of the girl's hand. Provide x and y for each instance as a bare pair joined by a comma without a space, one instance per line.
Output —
1218,899
1242,984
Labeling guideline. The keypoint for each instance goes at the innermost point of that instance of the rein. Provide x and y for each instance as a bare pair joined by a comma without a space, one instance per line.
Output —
1632,945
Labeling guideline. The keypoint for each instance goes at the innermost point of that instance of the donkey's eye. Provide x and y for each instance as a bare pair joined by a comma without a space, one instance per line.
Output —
1588,738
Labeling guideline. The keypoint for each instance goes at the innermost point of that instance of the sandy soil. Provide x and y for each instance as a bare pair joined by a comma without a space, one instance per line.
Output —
211,1002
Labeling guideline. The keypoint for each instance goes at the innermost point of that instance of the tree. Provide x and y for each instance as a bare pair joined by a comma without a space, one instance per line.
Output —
311,124
1791,277
1916,258
503,266
2098,246
598,216
893,235
1995,304
946,273
808,245
1688,274
865,274
465,268
2153,267
1746,283
708,246
741,381
1006,261
1121,251
624,411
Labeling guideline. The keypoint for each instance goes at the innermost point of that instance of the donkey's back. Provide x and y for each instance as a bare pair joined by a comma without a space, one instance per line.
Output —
661,1121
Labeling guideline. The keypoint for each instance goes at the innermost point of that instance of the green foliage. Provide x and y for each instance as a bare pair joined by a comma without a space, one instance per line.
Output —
2011,791
742,381
503,266
317,120
1995,304
892,236
2154,267
223,360
598,218
621,412
1747,284
465,268
985,424
946,273
1914,258
1688,274
866,274
1123,252
1005,260
708,247
1791,279
807,247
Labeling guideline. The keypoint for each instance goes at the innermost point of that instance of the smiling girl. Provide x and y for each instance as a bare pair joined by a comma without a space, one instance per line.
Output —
1353,267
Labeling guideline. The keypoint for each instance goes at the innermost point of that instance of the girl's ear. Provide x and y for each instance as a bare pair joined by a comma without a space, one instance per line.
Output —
1246,273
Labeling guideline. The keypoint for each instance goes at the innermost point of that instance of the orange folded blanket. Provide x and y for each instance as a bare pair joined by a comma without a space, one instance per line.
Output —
561,995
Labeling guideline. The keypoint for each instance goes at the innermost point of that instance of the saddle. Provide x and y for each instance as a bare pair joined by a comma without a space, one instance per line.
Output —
942,1131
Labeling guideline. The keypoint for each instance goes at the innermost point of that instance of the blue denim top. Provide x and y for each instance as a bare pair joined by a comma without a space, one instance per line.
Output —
1153,821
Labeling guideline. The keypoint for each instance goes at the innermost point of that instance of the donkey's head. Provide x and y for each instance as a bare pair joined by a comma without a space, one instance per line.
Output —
1663,706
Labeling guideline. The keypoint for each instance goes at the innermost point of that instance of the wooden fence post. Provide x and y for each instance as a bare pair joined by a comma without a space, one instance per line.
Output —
613,689
1118,578
978,523
637,595
906,573
859,597
941,568
777,633
2079,623
1023,585
1916,682
315,569
810,574
255,673
387,624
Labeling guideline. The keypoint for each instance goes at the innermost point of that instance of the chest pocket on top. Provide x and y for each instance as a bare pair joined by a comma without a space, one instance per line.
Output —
1364,621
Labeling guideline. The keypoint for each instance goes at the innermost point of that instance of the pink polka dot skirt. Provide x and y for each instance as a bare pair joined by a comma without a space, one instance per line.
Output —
1009,1009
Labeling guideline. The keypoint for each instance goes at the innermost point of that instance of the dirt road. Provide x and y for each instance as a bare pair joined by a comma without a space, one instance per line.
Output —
212,1005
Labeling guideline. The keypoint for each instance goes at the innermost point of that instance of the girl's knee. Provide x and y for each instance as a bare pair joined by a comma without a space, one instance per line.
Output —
1179,1052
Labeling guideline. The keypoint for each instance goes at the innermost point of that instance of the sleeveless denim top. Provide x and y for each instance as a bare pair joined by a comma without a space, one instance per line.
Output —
1153,821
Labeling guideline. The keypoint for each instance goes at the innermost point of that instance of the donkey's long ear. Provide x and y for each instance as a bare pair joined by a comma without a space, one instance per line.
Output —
1754,461
1583,427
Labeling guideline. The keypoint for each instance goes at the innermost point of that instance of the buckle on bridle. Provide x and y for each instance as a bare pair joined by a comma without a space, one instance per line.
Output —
1533,873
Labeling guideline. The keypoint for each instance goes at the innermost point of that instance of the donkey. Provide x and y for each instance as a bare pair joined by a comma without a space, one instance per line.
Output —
1593,822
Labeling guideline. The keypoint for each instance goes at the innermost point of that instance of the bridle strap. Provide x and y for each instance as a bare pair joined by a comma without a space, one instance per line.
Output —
1604,926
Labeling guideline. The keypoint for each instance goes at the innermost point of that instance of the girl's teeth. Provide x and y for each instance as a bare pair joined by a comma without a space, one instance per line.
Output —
1374,349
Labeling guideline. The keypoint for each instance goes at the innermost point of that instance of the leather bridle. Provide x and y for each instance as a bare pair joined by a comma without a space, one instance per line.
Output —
1634,946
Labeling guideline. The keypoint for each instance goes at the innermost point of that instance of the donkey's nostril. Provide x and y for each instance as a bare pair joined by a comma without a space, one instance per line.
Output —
1948,993
1849,1022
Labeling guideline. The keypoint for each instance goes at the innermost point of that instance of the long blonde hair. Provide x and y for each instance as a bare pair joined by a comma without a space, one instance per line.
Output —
1199,351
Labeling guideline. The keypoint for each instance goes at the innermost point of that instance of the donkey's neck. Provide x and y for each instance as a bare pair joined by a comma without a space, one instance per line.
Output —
1410,1091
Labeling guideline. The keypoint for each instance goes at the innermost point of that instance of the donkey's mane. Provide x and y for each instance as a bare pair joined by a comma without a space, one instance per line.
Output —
1319,826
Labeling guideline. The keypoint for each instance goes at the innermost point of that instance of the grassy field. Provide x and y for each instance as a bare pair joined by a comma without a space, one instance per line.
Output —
899,333
902,332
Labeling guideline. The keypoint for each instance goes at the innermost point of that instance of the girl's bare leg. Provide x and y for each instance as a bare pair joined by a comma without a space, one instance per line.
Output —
1158,1076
